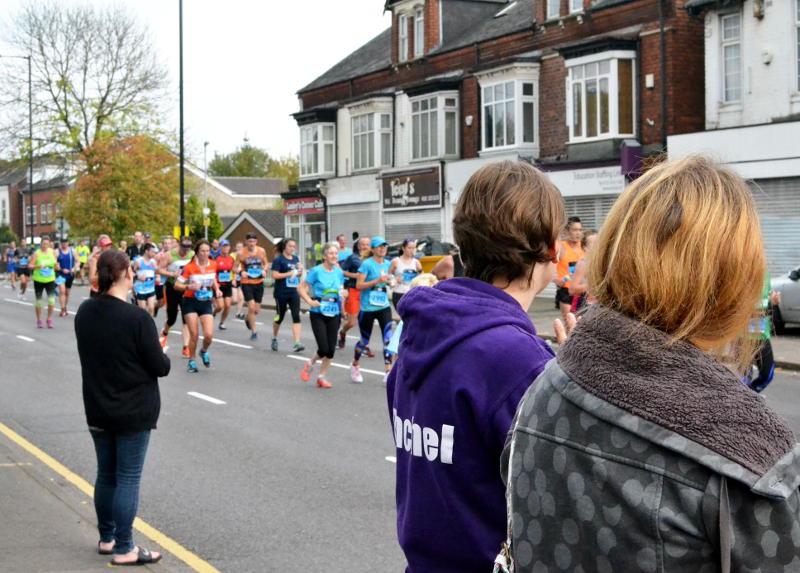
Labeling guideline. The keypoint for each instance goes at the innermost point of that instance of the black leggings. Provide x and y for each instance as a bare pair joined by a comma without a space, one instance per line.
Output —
173,303
325,329
365,322
396,296
292,304
766,366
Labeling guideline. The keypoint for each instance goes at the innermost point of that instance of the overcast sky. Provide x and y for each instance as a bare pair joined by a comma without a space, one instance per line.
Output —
244,61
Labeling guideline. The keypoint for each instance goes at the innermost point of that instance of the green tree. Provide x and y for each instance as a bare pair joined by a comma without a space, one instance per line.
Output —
193,210
7,235
286,168
127,184
249,161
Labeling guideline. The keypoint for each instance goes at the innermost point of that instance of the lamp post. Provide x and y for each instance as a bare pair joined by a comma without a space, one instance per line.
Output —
206,211
30,145
180,97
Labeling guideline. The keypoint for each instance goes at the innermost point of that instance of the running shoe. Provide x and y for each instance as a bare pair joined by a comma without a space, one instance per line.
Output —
247,323
222,326
185,352
254,336
355,374
322,383
191,366
369,353
239,316
274,344
298,347
162,340
49,323
205,358
307,372
385,378
39,324
342,339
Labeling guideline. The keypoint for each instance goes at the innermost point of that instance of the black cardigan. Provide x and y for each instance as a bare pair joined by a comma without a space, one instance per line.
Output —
121,361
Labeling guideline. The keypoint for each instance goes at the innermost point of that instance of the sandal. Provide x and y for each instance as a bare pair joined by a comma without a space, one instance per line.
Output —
145,558
104,551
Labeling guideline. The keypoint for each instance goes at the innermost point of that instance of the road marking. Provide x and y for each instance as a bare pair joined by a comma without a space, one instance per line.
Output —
144,528
207,398
16,465
22,302
391,459
345,366
25,338
236,344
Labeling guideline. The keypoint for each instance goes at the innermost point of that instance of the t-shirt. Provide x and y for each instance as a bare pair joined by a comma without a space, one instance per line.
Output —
326,286
204,278
134,251
351,265
567,262
10,257
83,253
344,254
286,288
377,297
224,266
253,266
23,256
215,253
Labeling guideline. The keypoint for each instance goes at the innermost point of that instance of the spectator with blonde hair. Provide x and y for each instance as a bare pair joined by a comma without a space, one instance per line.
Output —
637,449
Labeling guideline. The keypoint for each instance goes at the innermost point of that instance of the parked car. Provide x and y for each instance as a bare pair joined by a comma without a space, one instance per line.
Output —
789,308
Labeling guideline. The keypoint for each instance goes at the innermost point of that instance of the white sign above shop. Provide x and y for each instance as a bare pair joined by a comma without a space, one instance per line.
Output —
594,181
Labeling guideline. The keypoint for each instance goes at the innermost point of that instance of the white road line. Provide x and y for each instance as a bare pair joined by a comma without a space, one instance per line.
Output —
206,398
25,338
236,344
19,302
391,459
345,366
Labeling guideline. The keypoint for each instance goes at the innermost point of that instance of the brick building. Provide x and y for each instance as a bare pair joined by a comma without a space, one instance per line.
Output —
583,89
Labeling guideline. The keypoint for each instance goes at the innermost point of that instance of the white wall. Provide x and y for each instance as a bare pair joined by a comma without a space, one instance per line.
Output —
343,138
355,189
402,132
769,90
4,197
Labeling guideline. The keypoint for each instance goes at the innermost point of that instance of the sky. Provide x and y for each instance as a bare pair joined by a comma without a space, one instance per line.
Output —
244,61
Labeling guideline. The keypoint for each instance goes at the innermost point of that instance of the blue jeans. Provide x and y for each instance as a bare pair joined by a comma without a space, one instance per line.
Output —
120,459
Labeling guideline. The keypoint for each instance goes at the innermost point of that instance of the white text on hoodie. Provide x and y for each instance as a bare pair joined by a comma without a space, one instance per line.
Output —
420,441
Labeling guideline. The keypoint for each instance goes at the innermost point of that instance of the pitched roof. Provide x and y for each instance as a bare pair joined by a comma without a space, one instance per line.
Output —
269,220
254,185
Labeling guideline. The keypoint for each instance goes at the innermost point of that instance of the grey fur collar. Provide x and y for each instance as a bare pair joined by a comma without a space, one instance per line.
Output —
674,385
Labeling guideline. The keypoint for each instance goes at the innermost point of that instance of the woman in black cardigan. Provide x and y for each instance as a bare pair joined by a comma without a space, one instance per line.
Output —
121,361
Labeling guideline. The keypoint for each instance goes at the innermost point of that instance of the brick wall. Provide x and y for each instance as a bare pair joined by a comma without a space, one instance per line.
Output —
553,132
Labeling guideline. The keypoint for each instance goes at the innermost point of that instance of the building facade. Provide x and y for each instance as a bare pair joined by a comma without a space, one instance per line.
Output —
752,110
583,89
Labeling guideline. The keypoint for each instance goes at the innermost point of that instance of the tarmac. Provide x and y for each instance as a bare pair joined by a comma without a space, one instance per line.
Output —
47,520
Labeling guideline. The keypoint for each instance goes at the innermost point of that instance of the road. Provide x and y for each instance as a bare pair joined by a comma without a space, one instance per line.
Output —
280,476
282,472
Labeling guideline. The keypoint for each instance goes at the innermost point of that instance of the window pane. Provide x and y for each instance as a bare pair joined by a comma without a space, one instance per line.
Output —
730,27
314,133
733,73
424,148
509,90
510,123
415,136
328,147
386,149
591,108
499,124
488,125
433,103
591,70
625,91
386,121
577,73
605,67
488,95
553,7
327,133
450,133
575,5
315,160
527,122
370,145
604,105
577,109
366,152
498,92
423,105
415,107
434,134
527,89
356,153
450,102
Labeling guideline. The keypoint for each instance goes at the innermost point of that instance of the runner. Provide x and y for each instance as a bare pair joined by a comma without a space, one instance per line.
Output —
373,282
144,287
67,265
404,269
579,286
353,304
136,250
22,258
83,258
226,280
252,265
327,283
198,283
171,266
571,252
104,243
11,267
344,250
43,264
215,249
286,271
237,298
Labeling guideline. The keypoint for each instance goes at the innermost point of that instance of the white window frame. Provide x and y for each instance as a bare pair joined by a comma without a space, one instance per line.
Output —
517,101
419,32
447,103
402,37
313,148
729,43
575,6
4,214
613,58
553,8
367,132
797,44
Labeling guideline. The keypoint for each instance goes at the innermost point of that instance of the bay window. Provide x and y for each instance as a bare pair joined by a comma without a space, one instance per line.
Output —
601,96
509,113
372,140
317,149
434,126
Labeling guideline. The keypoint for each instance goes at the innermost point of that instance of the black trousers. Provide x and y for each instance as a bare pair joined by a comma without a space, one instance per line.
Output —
173,303
325,329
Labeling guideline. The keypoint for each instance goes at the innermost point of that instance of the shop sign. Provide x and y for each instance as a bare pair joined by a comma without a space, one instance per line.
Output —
303,206
411,190
584,182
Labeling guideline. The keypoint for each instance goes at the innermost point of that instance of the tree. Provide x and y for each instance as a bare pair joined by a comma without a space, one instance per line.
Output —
7,235
193,210
94,71
127,184
286,168
249,161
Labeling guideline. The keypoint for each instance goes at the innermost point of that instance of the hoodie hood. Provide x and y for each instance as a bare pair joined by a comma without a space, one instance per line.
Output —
437,319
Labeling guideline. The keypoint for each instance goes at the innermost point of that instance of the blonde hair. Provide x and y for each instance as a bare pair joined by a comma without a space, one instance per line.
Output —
424,279
681,251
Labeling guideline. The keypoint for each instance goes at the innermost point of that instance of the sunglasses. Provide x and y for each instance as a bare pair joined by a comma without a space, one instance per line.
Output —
186,246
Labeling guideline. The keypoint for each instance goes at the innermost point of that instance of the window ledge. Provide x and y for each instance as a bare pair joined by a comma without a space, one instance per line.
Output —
604,137
308,176
729,107
431,159
366,170
526,149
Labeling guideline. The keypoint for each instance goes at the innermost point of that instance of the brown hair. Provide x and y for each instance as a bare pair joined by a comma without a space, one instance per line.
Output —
507,219
200,243
110,266
681,251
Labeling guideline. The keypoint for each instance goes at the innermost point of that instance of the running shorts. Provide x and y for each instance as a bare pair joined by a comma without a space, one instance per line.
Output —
253,292
198,307
26,272
145,296
227,290
38,288
563,296
352,305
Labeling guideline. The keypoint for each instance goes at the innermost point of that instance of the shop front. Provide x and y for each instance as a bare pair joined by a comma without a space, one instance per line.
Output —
411,201
589,193
305,223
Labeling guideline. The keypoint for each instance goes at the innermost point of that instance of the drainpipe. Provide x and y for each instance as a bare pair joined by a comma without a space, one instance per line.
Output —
663,87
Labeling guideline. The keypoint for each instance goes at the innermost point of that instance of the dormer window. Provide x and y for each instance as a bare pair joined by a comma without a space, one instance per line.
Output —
402,37
419,32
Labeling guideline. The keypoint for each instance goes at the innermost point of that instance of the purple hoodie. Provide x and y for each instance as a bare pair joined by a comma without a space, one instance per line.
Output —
468,352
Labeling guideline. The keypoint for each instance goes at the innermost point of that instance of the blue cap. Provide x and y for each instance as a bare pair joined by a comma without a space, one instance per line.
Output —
377,242
224,242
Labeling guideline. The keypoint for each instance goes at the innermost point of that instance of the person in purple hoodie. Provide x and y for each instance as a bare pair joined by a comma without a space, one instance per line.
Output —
468,352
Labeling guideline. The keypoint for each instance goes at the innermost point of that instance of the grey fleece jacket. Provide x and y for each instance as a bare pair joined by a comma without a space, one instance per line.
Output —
633,454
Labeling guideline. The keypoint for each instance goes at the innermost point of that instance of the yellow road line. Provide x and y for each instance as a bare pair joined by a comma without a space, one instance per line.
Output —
142,527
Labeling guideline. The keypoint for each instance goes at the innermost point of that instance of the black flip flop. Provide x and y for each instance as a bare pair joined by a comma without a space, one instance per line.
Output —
145,558
104,552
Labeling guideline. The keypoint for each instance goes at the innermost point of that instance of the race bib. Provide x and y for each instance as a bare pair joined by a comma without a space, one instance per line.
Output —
205,284
60,280
203,295
145,274
293,282
329,306
224,276
378,297
23,262
409,276
46,272
255,272
758,325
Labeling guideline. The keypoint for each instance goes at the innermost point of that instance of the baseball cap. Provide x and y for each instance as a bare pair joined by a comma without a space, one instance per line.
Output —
104,241
147,235
224,242
377,242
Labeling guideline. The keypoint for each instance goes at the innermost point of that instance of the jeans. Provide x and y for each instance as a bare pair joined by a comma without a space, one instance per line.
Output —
120,459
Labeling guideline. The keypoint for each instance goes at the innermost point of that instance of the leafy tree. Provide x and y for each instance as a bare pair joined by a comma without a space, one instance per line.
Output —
127,184
286,168
249,161
193,211
7,235
94,71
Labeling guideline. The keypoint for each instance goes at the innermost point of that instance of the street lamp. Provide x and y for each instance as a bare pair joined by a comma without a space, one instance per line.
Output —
30,145
206,211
